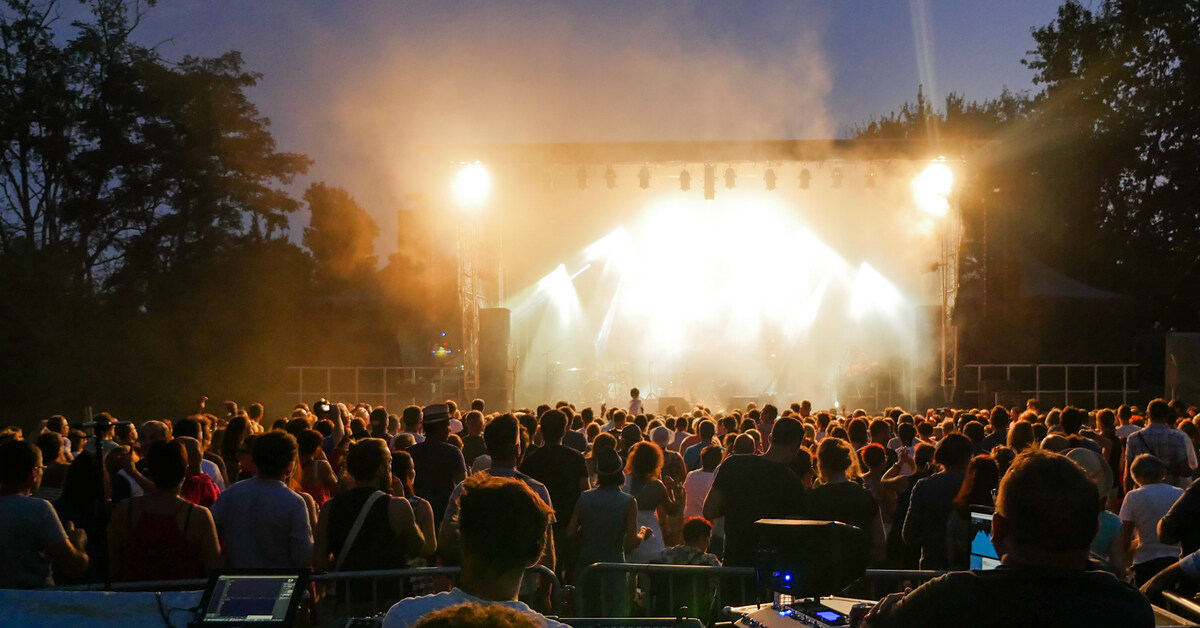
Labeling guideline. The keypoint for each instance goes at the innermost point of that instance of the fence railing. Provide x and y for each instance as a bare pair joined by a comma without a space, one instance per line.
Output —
1056,384
348,601
1186,608
389,386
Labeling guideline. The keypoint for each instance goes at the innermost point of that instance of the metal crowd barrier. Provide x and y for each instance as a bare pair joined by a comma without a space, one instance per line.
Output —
1183,606
699,580
329,607
875,584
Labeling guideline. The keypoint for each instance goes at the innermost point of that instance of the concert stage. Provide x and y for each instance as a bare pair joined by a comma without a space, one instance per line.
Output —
705,271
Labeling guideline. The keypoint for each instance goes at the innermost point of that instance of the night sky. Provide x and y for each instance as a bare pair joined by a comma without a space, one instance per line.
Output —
358,85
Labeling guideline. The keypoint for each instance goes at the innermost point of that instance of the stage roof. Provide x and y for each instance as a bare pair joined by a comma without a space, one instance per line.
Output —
700,152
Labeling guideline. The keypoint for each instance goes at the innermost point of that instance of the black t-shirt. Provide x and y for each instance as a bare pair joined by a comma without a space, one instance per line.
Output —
754,488
842,501
473,447
1023,596
436,464
560,469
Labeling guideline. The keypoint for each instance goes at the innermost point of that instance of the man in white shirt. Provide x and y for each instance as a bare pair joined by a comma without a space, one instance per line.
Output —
1141,511
34,538
264,524
502,523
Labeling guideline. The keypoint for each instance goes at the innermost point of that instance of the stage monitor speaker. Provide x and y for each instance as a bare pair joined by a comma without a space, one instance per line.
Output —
1183,367
809,558
680,404
495,341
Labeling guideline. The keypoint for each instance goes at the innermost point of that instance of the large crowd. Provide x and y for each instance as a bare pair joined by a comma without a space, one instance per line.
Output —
1106,494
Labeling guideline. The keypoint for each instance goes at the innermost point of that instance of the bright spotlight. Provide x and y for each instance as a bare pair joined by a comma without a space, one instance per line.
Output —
931,189
472,185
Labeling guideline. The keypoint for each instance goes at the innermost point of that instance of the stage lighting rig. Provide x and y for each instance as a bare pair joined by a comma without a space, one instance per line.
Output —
710,182
730,178
610,178
644,178
685,180
805,178
769,179
472,185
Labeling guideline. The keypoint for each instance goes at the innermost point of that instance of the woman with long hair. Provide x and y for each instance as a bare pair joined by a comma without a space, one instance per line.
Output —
838,498
604,441
981,480
1021,436
403,475
655,500
160,535
316,476
84,502
235,432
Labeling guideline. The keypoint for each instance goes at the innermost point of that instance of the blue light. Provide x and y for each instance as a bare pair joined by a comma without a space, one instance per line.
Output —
443,334
787,577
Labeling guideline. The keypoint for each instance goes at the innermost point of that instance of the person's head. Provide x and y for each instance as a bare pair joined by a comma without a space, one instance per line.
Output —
857,429
477,405
706,430
609,467
307,443
974,430
635,393
630,436
697,532
923,455
20,466
925,430
377,422
1106,421
1159,411
835,459
998,419
1046,510
875,457
189,426
982,477
1056,443
369,462
1072,419
710,458
473,422
58,425
153,432
502,438
471,615
954,451
786,436
553,426
1003,455
435,421
274,455
880,431
403,470
1148,469
618,417
410,417
645,462
1021,436
51,446
907,434
166,465
502,523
